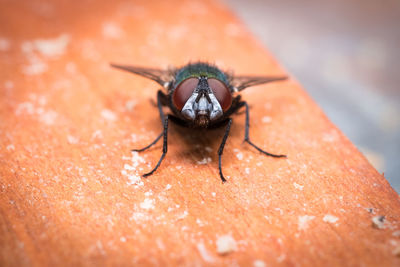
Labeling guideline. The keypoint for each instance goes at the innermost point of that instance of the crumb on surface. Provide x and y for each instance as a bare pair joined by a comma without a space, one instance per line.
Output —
304,220
297,186
266,119
204,161
108,115
239,154
378,222
112,31
5,44
259,263
330,218
226,244
72,139
147,204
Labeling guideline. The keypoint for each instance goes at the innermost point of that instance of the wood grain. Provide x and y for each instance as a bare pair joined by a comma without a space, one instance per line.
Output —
70,189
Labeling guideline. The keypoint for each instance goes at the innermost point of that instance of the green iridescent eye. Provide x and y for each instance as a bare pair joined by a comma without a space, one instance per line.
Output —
184,91
221,92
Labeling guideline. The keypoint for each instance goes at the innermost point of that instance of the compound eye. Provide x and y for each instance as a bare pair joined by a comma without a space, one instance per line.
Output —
184,91
221,92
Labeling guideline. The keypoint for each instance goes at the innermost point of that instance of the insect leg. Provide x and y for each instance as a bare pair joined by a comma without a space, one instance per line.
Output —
165,148
221,149
160,99
246,134
148,146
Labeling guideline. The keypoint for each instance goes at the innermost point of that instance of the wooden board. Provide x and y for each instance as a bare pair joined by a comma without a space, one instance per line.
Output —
70,189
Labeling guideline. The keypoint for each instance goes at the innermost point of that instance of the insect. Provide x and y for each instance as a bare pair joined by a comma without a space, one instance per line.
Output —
200,95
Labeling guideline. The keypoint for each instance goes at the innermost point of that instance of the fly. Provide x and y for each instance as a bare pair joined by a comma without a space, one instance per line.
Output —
200,95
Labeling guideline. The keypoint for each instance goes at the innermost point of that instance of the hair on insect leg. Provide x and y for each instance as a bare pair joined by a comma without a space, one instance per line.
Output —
221,149
165,148
247,137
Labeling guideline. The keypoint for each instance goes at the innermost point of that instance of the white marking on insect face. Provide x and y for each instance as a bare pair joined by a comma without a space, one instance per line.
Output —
203,106
216,111
187,110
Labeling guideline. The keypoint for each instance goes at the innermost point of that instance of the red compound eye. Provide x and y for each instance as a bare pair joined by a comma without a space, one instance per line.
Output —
221,92
184,91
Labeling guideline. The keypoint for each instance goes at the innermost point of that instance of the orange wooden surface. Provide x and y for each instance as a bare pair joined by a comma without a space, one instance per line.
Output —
70,190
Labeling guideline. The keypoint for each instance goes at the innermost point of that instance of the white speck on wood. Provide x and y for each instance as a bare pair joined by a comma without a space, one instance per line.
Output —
72,139
329,138
129,105
48,117
199,222
259,263
266,119
130,170
10,148
280,210
183,215
9,85
148,193
160,244
379,222
239,154
138,216
147,204
297,186
281,258
204,161
134,179
207,257
52,47
97,134
36,66
108,115
226,244
303,221
5,44
330,218
112,31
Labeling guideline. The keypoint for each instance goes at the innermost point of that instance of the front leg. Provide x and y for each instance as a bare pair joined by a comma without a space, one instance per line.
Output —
221,149
165,148
246,133
161,98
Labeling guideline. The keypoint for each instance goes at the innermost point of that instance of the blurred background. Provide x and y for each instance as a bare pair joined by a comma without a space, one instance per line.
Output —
346,55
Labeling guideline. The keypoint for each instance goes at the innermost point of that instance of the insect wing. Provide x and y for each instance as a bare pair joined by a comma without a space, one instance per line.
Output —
240,83
162,77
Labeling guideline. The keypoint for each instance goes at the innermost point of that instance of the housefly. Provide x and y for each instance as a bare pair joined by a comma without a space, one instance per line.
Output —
200,95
